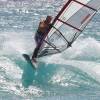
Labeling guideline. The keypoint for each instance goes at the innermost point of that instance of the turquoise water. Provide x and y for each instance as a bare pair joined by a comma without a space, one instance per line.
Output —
72,75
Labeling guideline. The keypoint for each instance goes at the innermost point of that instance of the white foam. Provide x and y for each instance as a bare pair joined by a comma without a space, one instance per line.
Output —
18,43
90,67
10,78
84,48
10,68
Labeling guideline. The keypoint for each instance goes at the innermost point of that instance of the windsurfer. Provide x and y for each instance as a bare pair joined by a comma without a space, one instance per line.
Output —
44,27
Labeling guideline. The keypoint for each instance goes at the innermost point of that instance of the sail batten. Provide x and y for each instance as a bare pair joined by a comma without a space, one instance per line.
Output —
68,25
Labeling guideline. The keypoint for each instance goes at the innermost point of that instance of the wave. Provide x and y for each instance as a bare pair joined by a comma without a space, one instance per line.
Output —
57,75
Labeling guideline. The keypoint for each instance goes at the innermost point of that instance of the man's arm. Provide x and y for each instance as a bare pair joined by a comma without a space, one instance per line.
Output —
41,24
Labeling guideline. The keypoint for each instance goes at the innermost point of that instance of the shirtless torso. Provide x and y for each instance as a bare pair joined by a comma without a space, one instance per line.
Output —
43,29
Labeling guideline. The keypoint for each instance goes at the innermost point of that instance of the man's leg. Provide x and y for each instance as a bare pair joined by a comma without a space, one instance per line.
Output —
39,42
35,52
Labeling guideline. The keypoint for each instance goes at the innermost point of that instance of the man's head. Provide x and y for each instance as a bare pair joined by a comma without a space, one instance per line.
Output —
48,19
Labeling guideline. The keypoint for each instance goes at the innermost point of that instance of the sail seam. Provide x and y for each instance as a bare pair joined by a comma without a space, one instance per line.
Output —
64,7
69,25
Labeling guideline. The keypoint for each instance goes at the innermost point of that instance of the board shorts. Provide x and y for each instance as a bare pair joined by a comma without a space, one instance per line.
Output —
38,37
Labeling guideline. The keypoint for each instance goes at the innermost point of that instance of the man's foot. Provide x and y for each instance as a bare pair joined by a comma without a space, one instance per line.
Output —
34,60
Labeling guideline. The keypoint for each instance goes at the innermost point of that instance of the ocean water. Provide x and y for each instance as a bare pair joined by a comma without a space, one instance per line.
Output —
72,75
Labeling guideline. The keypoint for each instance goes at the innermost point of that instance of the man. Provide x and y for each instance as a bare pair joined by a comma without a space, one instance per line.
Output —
44,27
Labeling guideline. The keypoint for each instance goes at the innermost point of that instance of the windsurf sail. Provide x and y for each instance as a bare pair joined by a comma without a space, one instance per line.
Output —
68,25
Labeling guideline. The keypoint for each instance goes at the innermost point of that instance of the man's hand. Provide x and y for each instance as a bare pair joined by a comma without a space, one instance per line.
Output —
50,25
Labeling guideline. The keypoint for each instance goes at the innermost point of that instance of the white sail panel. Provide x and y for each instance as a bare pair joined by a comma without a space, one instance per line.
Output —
69,11
92,3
